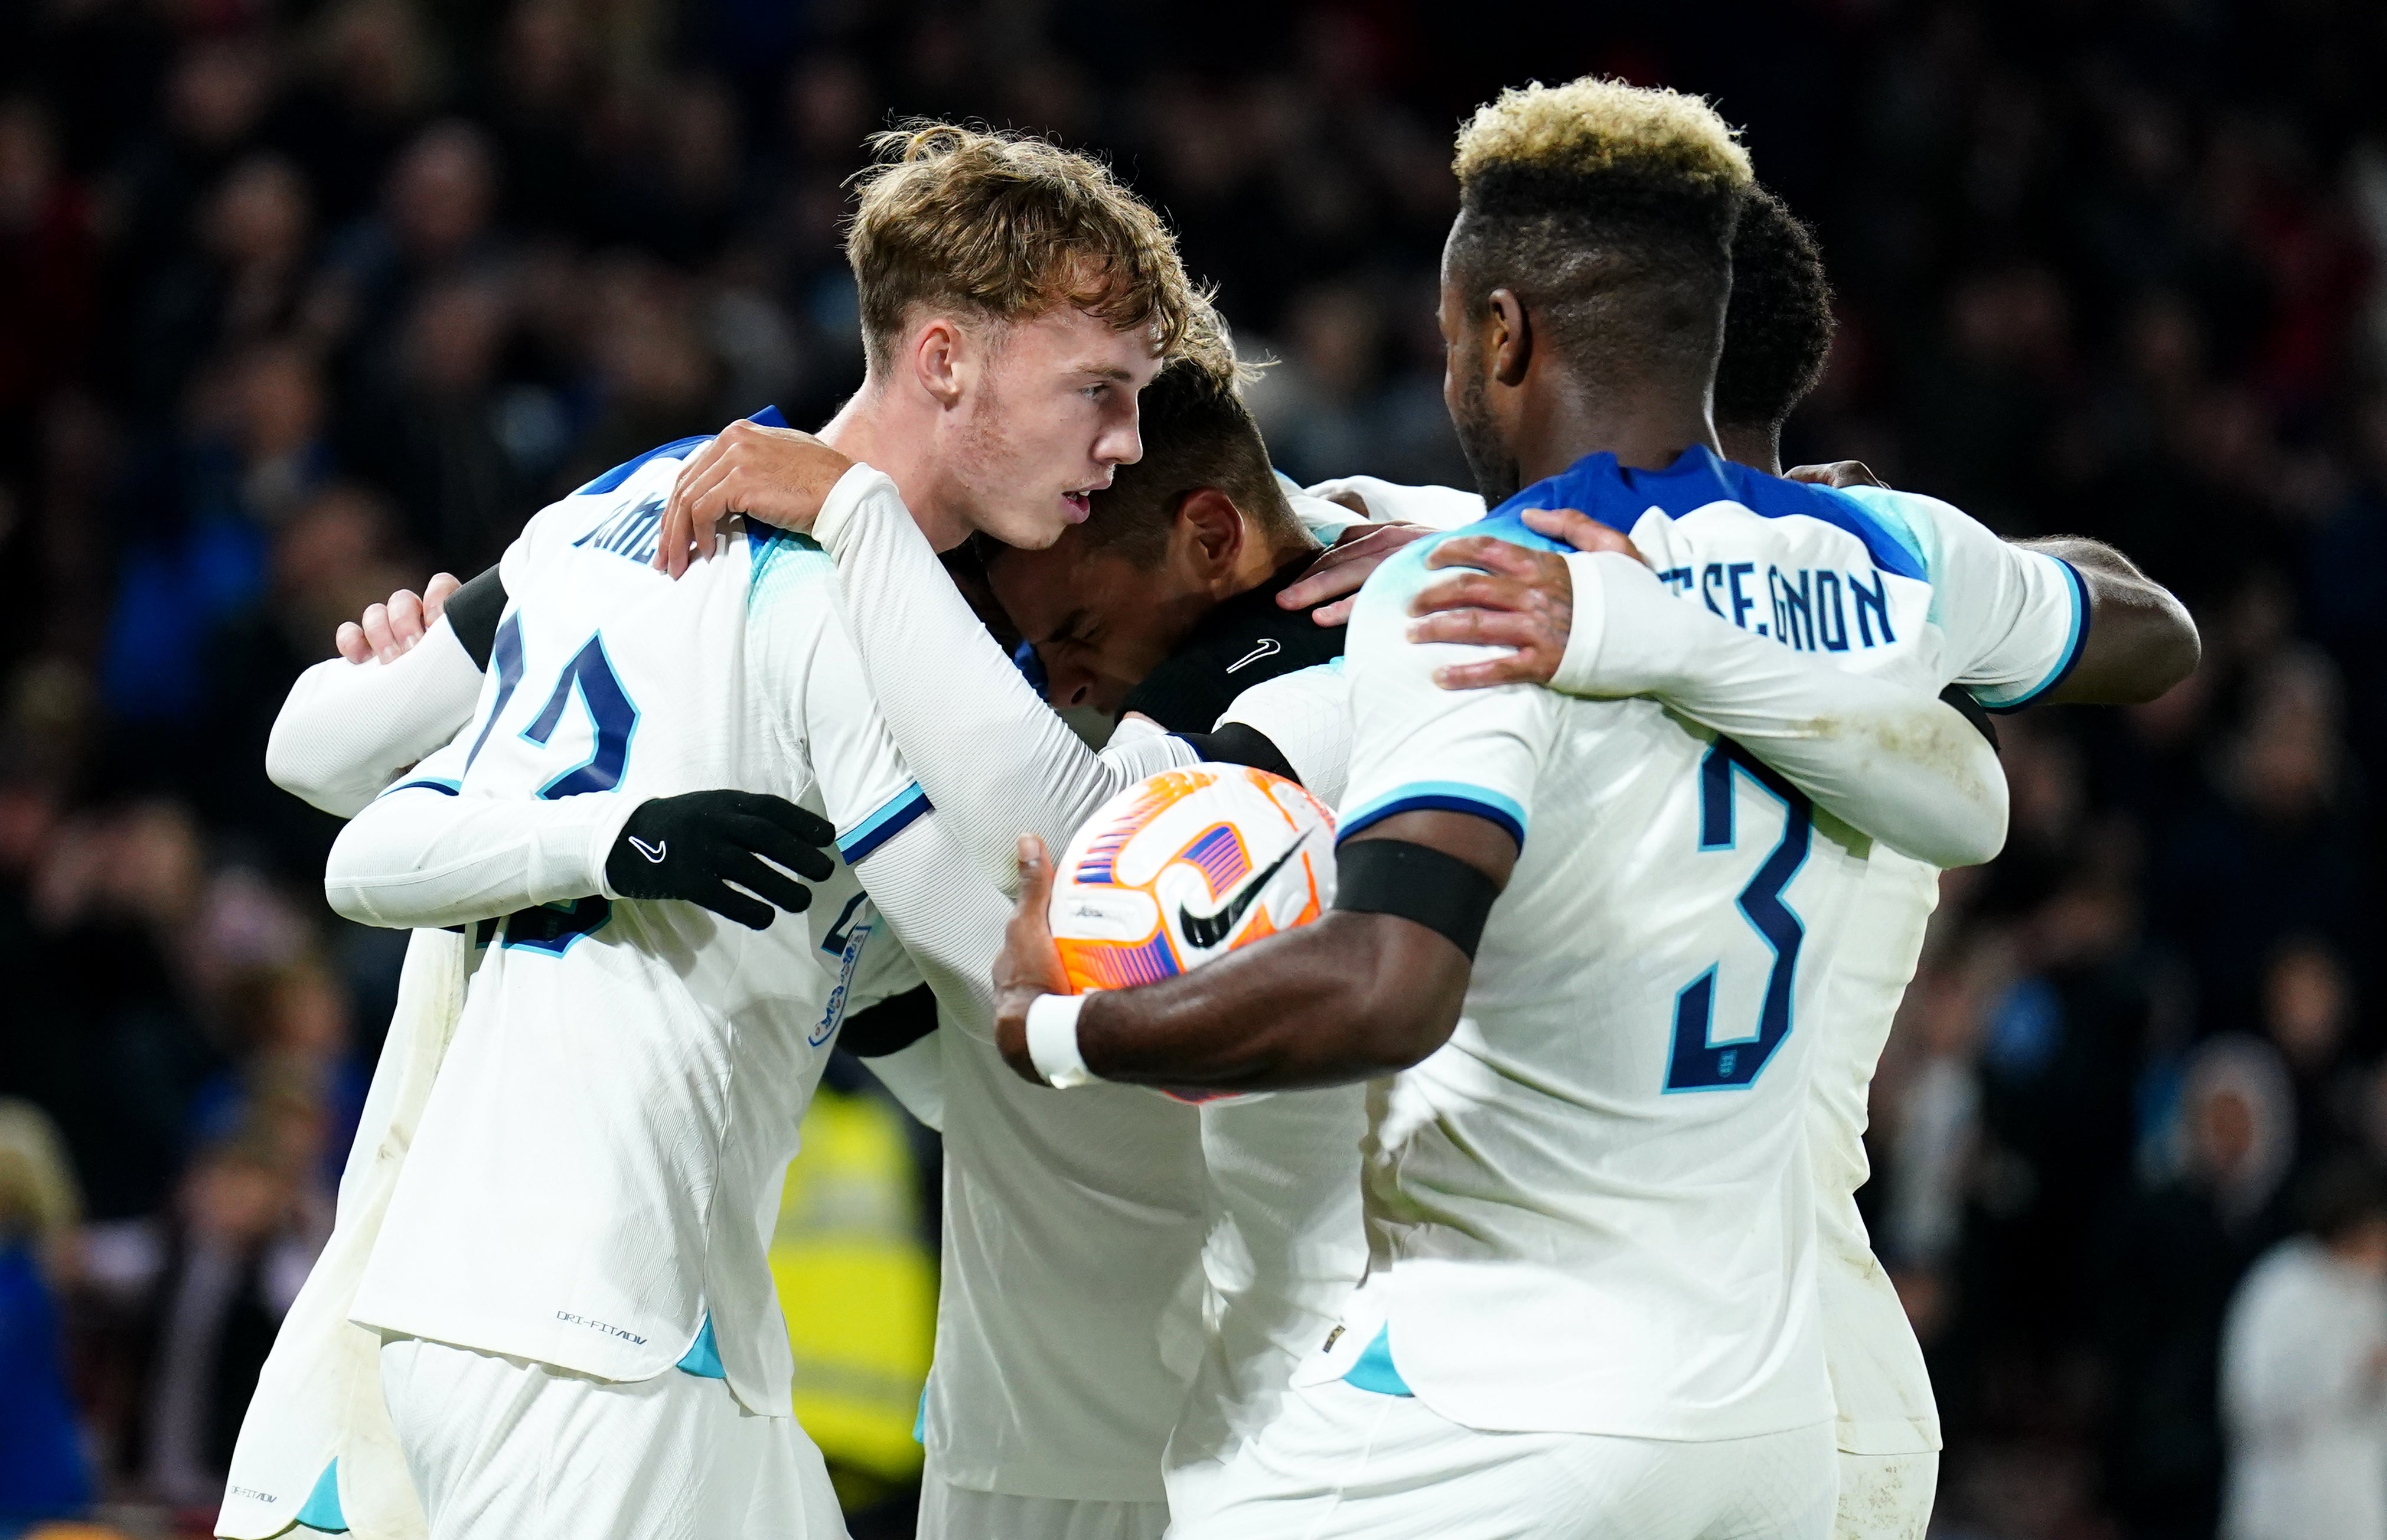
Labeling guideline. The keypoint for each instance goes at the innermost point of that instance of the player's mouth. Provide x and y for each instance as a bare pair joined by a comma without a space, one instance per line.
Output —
1080,504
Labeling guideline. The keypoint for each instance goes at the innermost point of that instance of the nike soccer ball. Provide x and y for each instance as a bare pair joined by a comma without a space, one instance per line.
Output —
1186,866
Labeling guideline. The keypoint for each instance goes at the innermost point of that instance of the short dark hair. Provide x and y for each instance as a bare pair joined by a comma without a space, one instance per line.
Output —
1778,327
1609,208
1197,433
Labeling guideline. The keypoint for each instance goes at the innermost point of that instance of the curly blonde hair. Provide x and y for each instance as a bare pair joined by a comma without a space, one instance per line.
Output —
1008,226
1593,125
1609,208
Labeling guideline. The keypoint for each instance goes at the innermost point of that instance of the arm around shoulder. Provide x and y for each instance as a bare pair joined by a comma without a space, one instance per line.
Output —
2141,639
347,730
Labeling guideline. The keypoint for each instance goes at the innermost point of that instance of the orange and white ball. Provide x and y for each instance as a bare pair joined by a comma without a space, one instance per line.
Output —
1187,866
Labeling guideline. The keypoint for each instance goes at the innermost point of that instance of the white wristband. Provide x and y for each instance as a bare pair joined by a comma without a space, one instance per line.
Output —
1053,1041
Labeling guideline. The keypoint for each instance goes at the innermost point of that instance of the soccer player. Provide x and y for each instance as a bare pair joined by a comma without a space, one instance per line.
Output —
588,1196
1591,1305
1164,543
2141,641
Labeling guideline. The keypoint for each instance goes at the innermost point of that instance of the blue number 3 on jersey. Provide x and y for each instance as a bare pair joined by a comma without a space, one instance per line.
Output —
1700,1061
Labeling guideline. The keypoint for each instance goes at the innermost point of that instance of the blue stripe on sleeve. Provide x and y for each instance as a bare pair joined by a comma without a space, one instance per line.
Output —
892,819
1441,796
445,789
2073,645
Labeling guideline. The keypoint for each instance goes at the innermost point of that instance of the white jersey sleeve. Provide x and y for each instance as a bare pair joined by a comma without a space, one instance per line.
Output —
1390,503
427,853
1885,757
949,918
347,730
1307,715
1416,746
2015,620
992,757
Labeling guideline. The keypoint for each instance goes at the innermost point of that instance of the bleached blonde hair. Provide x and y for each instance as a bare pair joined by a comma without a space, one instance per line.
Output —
1595,125
1608,209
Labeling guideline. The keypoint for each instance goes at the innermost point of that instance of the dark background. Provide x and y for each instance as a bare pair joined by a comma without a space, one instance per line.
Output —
299,302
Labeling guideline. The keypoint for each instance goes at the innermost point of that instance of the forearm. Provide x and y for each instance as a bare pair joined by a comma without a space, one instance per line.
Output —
420,856
992,757
2141,640
1340,999
348,729
1895,763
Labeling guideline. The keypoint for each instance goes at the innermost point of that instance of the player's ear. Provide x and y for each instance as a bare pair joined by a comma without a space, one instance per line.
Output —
1510,336
943,358
1212,526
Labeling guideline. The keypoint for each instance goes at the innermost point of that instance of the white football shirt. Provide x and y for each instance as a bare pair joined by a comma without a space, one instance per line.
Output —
1592,1210
597,1171
2029,616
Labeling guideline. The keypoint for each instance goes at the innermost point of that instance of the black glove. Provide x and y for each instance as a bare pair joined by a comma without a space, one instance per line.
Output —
693,846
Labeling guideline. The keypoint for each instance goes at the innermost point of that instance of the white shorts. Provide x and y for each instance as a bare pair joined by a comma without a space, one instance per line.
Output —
1885,1496
1342,1461
959,1513
504,1449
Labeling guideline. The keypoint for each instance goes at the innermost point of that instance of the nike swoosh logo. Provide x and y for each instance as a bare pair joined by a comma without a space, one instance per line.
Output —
1208,931
653,853
1268,648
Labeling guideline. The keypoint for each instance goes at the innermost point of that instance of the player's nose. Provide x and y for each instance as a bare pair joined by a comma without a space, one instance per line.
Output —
1067,683
1122,443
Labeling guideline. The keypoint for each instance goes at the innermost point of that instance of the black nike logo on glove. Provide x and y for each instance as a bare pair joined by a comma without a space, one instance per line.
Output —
1208,931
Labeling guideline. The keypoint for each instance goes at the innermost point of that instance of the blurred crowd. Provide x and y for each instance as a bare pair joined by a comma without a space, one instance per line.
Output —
303,299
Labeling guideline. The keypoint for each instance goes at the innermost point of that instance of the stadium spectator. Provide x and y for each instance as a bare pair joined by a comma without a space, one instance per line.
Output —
43,1467
2304,1375
2179,1251
303,302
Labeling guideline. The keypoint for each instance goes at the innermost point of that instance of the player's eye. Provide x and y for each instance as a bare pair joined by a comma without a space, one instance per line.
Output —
1096,392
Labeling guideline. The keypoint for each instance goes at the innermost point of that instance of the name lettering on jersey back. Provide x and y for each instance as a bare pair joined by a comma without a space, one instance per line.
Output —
630,533
1812,608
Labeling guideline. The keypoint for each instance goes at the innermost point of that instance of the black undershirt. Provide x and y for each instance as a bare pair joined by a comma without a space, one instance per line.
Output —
473,611
891,1026
1239,644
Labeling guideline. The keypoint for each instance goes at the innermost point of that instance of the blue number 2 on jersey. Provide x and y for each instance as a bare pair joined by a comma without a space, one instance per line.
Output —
610,713
612,720
1699,1062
